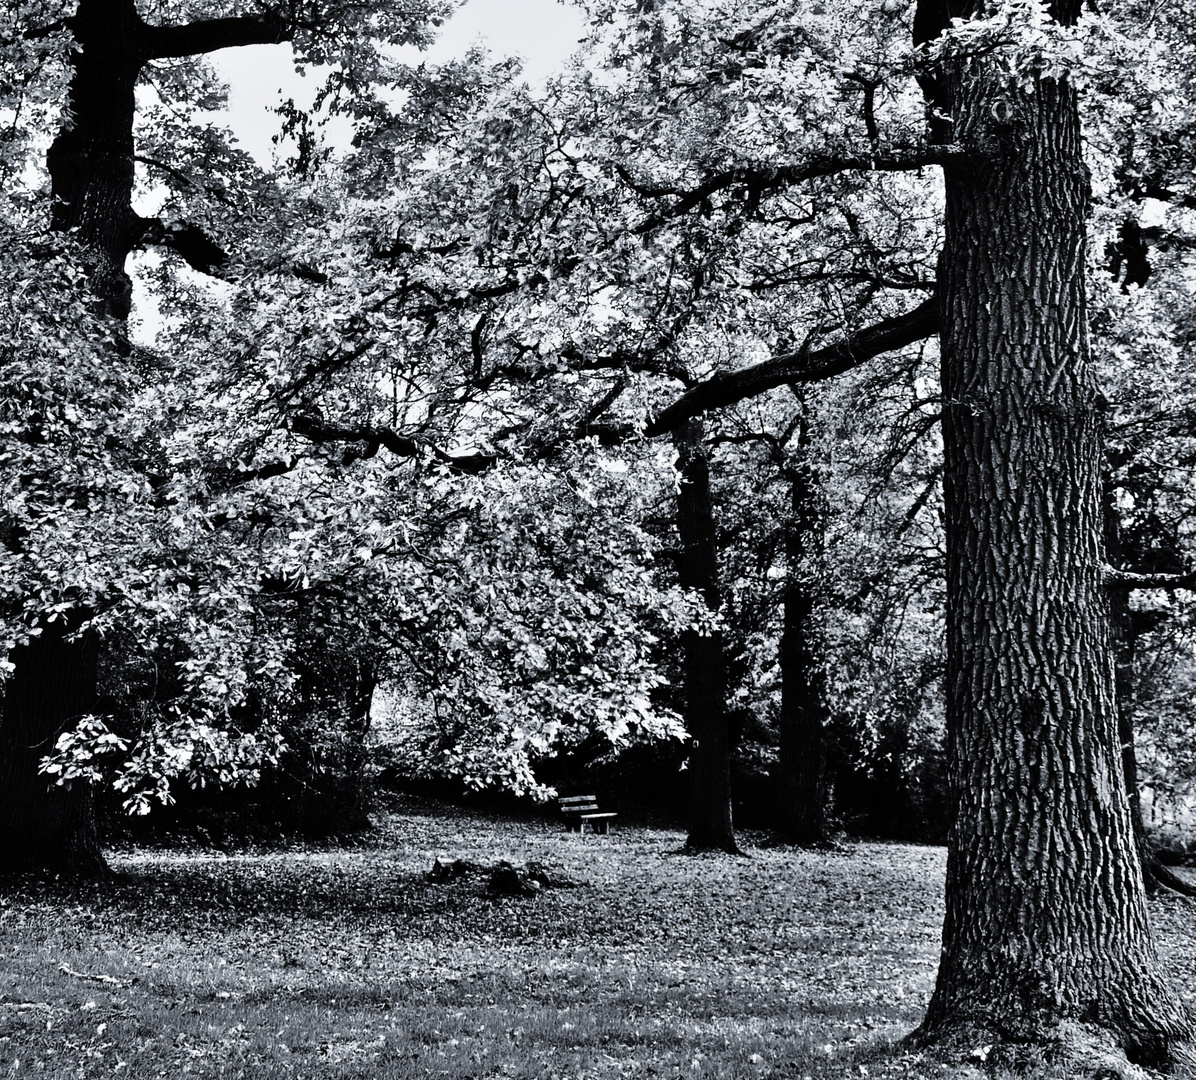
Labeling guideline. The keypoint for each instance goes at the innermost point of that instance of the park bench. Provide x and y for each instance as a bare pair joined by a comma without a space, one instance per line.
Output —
582,810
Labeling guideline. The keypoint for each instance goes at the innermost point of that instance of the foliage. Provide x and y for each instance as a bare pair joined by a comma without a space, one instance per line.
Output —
410,411
534,622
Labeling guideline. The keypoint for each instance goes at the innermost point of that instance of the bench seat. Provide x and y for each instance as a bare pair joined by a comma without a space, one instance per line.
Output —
582,810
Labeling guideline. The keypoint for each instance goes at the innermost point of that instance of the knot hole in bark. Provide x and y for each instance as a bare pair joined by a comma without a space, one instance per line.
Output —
995,131
1035,730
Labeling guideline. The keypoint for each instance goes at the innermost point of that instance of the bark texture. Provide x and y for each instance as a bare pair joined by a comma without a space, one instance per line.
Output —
1046,937
710,825
801,767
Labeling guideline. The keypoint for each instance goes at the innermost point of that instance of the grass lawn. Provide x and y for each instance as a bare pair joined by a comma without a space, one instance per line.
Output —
315,963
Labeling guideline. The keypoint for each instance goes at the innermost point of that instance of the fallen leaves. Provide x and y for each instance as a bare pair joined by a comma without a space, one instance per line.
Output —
314,962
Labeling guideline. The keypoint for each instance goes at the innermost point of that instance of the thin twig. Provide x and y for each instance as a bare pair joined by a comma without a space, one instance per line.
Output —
66,970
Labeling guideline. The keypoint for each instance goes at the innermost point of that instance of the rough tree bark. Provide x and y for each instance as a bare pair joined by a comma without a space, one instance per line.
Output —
91,170
1046,938
710,825
801,767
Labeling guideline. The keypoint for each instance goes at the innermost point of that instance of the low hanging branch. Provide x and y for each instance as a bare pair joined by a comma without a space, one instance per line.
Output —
805,365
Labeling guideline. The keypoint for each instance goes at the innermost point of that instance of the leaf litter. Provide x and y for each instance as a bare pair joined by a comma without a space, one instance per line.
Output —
312,962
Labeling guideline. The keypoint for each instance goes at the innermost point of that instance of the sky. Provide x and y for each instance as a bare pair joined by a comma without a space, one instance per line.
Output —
541,32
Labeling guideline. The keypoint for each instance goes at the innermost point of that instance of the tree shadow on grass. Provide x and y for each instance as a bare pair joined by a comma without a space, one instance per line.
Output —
217,891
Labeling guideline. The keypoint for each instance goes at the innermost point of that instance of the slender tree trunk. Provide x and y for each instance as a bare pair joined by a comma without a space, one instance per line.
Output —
1156,874
352,693
710,826
42,824
360,701
1125,682
1046,937
801,766
1124,686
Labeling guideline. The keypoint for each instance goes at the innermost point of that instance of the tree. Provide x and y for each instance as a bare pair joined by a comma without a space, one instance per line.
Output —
62,490
801,757
1031,709
91,164
703,664
1148,460
1046,939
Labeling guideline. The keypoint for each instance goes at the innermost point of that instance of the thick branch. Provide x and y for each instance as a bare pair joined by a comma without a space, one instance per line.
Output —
313,428
197,249
208,35
771,179
1127,579
803,366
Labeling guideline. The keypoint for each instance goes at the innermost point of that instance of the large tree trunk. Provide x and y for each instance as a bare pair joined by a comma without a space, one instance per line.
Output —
42,824
710,826
801,766
55,679
1046,937
91,159
92,171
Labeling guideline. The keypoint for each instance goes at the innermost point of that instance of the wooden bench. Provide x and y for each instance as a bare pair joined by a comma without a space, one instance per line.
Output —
582,810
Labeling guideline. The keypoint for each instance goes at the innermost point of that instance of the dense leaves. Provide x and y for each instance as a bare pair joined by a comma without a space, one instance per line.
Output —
407,418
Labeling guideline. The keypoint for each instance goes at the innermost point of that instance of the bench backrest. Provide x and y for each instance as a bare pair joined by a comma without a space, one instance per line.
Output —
578,804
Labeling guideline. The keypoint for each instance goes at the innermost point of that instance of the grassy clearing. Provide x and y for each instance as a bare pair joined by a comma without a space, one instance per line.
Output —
318,964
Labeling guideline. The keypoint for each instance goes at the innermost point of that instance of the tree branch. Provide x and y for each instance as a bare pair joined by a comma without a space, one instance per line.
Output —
1127,579
37,33
803,366
313,428
197,249
208,35
770,179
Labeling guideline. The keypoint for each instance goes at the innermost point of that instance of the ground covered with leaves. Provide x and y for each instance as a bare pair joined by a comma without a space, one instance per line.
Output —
632,959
